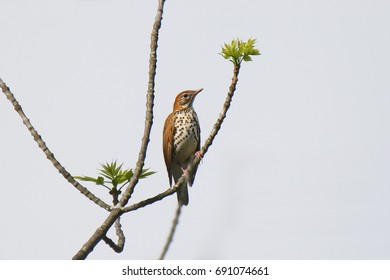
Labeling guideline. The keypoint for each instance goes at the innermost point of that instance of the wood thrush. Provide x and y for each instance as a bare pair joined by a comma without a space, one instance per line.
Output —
181,141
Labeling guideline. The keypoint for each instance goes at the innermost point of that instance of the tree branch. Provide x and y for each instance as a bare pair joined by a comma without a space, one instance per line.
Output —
118,248
175,222
117,211
48,153
98,235
149,106
155,198
222,115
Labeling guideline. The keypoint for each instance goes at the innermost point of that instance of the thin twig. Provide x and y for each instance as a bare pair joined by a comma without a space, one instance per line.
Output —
155,198
175,222
118,248
222,115
48,153
117,212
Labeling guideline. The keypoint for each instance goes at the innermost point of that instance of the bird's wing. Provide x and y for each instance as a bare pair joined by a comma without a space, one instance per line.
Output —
198,147
191,176
168,144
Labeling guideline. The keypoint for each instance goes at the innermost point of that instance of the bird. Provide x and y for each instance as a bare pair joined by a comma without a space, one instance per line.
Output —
181,142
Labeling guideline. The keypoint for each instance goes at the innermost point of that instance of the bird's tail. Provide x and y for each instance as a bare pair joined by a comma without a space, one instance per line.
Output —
182,194
182,191
191,176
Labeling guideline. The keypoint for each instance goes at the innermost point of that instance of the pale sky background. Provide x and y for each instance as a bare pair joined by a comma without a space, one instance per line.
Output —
300,169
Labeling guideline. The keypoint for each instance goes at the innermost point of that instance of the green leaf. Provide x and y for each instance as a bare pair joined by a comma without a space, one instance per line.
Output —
238,51
86,178
120,178
100,180
112,173
128,174
115,181
116,171
110,170
145,173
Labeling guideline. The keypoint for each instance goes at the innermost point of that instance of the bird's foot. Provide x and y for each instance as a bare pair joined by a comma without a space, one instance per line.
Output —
185,170
199,154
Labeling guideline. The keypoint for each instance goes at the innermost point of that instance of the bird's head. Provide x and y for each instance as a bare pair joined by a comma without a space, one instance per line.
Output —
185,99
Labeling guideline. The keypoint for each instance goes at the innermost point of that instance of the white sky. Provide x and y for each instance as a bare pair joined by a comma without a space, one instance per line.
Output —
300,169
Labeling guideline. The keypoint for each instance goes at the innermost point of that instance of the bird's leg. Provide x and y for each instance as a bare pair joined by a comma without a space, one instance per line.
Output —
185,172
197,154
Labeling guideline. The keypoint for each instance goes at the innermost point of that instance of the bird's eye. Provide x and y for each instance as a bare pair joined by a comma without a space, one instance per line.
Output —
185,95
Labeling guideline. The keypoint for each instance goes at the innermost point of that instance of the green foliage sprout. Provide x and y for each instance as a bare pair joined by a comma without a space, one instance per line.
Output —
111,174
237,51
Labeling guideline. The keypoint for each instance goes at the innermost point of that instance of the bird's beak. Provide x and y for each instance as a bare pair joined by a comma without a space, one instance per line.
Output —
197,91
